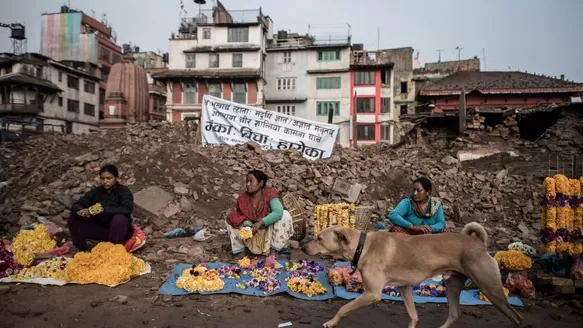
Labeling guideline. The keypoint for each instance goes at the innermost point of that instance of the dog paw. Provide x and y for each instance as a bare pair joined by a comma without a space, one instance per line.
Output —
329,324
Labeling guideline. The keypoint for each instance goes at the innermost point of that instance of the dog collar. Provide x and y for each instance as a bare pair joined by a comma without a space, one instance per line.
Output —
358,252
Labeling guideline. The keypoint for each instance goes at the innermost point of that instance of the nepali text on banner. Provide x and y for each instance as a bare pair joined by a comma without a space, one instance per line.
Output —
227,123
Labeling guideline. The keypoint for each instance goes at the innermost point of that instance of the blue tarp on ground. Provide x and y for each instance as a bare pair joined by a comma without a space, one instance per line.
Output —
169,287
468,297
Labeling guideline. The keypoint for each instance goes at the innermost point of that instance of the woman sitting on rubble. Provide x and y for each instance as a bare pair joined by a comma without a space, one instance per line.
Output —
420,213
105,214
261,208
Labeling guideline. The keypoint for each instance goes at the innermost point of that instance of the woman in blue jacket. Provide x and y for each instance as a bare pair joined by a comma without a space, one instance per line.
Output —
420,213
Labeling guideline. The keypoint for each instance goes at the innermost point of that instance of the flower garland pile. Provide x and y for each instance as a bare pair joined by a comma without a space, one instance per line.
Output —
106,264
29,242
327,215
485,299
513,260
302,277
264,278
230,271
95,209
200,279
246,233
433,290
526,249
562,215
53,268
8,265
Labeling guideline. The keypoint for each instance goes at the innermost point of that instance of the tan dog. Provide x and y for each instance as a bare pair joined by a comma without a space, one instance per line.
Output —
403,261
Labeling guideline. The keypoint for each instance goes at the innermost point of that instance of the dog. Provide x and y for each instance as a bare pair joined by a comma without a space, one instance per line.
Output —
400,260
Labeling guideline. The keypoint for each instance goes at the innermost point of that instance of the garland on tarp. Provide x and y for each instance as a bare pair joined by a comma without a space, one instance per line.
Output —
562,215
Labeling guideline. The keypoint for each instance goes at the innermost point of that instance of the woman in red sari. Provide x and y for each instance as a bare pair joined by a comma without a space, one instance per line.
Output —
261,208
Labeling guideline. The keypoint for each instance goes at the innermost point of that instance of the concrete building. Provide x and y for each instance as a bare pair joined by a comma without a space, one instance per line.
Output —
37,89
308,78
371,90
220,53
76,38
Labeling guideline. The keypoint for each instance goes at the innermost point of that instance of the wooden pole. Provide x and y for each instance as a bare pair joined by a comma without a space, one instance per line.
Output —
462,113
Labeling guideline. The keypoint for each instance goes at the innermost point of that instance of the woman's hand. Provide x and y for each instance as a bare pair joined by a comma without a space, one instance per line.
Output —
426,229
84,212
257,226
414,228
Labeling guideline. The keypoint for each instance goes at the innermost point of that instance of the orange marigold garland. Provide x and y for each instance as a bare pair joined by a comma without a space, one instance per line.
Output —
549,216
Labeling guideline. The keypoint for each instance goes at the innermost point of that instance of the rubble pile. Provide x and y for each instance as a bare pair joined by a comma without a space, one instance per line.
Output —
177,183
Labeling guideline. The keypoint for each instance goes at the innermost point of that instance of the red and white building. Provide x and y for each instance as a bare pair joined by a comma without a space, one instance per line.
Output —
371,90
220,53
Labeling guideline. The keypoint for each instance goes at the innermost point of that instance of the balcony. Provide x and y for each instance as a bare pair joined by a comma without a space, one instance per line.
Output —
217,16
365,58
20,108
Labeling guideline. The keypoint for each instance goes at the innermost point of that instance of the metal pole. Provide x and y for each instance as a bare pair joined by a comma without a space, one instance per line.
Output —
355,124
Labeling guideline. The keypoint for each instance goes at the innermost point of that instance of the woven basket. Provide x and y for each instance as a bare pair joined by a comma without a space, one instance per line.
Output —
363,214
293,207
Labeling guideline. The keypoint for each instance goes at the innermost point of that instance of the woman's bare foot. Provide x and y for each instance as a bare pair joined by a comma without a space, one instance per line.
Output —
239,256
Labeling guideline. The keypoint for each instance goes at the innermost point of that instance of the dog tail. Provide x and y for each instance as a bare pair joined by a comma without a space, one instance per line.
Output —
474,227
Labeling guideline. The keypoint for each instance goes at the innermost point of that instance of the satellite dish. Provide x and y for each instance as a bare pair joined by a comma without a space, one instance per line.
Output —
200,2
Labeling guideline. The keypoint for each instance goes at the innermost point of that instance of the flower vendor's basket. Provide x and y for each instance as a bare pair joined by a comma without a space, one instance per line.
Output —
293,207
363,214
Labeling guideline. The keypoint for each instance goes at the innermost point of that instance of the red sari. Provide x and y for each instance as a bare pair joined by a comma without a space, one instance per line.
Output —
246,211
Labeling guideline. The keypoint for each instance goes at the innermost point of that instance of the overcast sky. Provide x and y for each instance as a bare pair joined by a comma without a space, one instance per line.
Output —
540,36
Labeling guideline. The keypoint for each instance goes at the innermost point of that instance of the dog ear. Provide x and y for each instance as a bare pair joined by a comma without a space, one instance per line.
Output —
341,237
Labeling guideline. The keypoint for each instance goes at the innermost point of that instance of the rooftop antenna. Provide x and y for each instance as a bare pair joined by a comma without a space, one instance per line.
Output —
484,56
92,13
378,39
459,52
439,51
200,3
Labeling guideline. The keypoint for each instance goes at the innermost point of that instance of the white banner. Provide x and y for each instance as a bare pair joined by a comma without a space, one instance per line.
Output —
227,123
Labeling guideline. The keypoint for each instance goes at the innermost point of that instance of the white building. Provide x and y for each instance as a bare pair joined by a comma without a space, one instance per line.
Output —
220,53
307,79
54,96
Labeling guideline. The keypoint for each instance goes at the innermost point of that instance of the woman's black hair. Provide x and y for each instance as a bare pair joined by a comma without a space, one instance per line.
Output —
425,183
260,176
110,168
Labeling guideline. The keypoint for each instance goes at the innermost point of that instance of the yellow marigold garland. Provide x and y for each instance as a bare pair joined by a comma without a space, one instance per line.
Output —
326,215
513,260
246,233
562,185
549,187
200,279
53,268
549,218
106,264
29,242
305,286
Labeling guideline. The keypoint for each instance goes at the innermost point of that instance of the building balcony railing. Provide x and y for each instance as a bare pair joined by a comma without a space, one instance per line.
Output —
246,16
20,108
364,58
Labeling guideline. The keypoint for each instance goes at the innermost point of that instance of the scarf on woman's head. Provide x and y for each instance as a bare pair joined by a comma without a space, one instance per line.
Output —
432,207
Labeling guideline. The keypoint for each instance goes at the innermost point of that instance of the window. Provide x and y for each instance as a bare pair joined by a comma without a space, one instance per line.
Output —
206,33
365,105
238,34
364,78
213,60
72,82
329,55
101,96
404,110
115,58
404,87
104,54
215,90
324,107
286,83
89,87
237,60
328,83
60,101
72,106
189,93
89,109
191,61
240,93
385,105
60,76
287,110
365,132
385,132
287,57
105,74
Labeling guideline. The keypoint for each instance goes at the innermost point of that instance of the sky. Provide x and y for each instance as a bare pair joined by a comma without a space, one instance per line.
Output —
541,36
